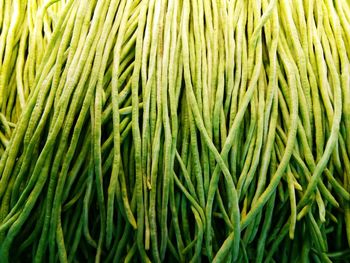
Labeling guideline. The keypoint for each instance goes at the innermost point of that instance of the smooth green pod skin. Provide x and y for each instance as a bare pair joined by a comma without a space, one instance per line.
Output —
77,129
136,133
42,243
116,129
292,135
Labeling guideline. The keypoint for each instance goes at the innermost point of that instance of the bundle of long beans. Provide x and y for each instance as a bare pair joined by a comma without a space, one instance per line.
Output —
164,130
26,28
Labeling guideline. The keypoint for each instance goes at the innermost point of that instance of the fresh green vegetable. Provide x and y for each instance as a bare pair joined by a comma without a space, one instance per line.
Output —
176,131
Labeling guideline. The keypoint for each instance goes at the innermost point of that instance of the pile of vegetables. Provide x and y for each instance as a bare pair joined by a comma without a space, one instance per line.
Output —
25,30
174,131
